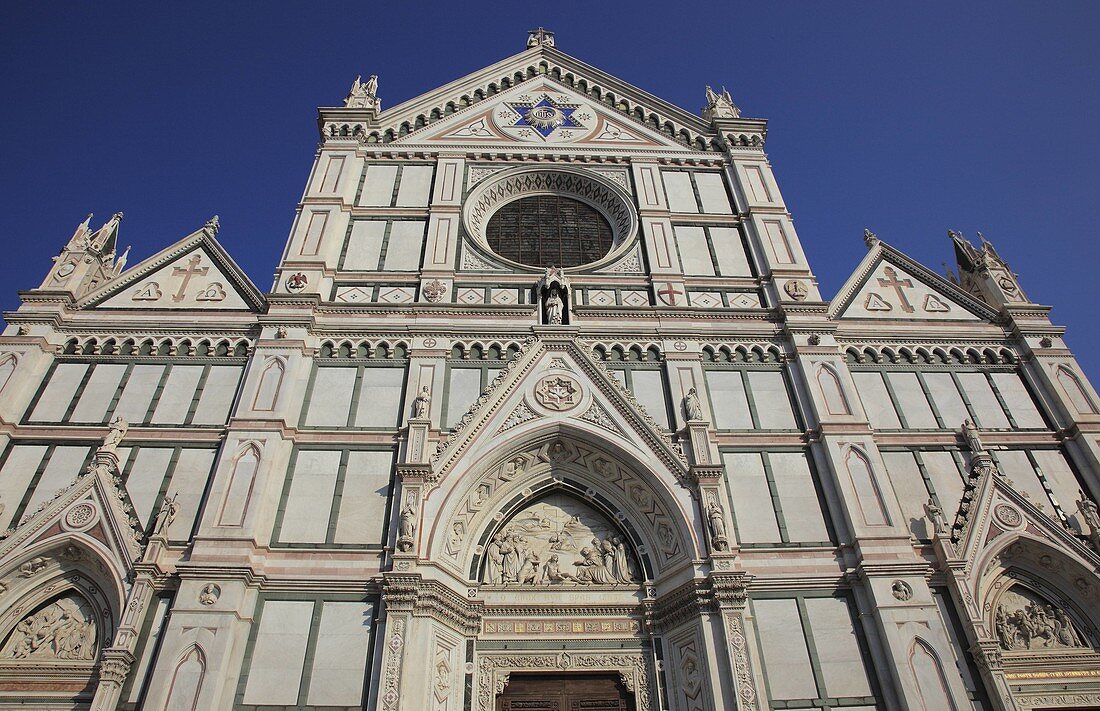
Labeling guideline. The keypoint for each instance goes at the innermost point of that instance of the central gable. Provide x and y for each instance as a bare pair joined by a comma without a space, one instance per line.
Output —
541,112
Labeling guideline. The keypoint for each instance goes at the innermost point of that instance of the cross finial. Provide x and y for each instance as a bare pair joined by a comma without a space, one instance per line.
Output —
870,238
212,226
540,36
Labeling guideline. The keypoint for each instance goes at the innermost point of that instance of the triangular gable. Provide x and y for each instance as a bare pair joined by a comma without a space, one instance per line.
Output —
557,64
553,378
889,285
94,507
194,273
541,112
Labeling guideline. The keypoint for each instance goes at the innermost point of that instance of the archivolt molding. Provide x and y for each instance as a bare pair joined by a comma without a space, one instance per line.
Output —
553,462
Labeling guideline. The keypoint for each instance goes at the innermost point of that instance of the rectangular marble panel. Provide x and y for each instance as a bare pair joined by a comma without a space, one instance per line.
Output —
757,185
148,649
405,246
333,170
694,253
416,186
786,657
773,405
217,395
177,395
876,400
146,478
798,496
189,478
1015,464
727,400
380,397
941,386
315,230
730,251
681,196
946,478
913,401
839,656
364,245
138,393
752,499
19,469
649,391
463,388
1063,483
98,393
1019,402
275,674
986,408
778,241
365,498
911,490
309,503
65,464
330,399
58,395
712,193
340,659
378,186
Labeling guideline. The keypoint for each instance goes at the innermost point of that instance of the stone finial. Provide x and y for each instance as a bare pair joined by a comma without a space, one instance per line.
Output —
540,37
363,94
870,238
120,263
720,105
212,226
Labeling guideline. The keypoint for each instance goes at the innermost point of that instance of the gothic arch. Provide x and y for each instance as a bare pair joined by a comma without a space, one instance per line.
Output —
1076,392
242,482
832,391
187,678
271,382
7,366
927,671
469,504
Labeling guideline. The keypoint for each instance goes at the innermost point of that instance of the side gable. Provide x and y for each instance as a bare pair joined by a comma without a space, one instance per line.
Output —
194,273
888,285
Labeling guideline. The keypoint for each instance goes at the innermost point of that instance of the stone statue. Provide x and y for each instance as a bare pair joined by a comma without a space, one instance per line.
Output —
422,404
118,426
406,526
692,407
554,308
168,510
717,526
712,98
209,594
1091,515
935,515
973,440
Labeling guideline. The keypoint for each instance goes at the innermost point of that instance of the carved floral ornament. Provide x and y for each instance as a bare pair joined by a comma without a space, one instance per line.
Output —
595,190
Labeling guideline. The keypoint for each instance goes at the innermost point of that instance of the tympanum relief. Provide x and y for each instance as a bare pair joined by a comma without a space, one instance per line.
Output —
1023,621
559,541
64,629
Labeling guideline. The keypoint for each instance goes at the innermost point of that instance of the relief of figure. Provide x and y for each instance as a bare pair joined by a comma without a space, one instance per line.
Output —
510,560
64,629
590,568
553,574
1090,513
422,404
1033,624
692,407
554,308
494,558
624,571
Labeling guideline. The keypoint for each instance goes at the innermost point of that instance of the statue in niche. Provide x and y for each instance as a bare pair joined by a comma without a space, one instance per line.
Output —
64,629
1024,621
552,291
717,523
557,541
166,515
406,526
1090,513
422,404
692,407
973,440
554,308
118,426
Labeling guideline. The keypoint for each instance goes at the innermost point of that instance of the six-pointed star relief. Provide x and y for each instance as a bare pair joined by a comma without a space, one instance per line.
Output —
545,116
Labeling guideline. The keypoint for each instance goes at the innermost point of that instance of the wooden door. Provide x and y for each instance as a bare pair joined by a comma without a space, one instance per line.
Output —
564,692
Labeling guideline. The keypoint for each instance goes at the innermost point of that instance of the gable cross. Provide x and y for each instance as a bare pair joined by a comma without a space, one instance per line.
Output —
898,285
669,294
192,269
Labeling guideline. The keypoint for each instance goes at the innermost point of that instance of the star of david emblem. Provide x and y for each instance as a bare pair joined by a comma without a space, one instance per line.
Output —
557,393
545,116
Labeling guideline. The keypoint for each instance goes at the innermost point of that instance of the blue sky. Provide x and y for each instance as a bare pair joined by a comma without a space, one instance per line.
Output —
906,118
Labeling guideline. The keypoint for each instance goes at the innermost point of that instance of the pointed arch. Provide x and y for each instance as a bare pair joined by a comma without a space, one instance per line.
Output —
931,683
187,678
271,382
242,482
1075,390
832,391
862,477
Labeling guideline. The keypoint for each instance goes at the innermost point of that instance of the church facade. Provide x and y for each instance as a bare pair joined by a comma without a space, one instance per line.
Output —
544,411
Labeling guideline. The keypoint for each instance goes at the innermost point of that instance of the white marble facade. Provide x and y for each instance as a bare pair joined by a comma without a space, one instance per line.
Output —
418,469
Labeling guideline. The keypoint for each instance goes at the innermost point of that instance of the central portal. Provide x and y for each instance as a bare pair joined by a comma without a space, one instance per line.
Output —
564,692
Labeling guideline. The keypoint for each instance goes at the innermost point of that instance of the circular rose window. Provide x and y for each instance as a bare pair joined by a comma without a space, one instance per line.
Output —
536,217
549,231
